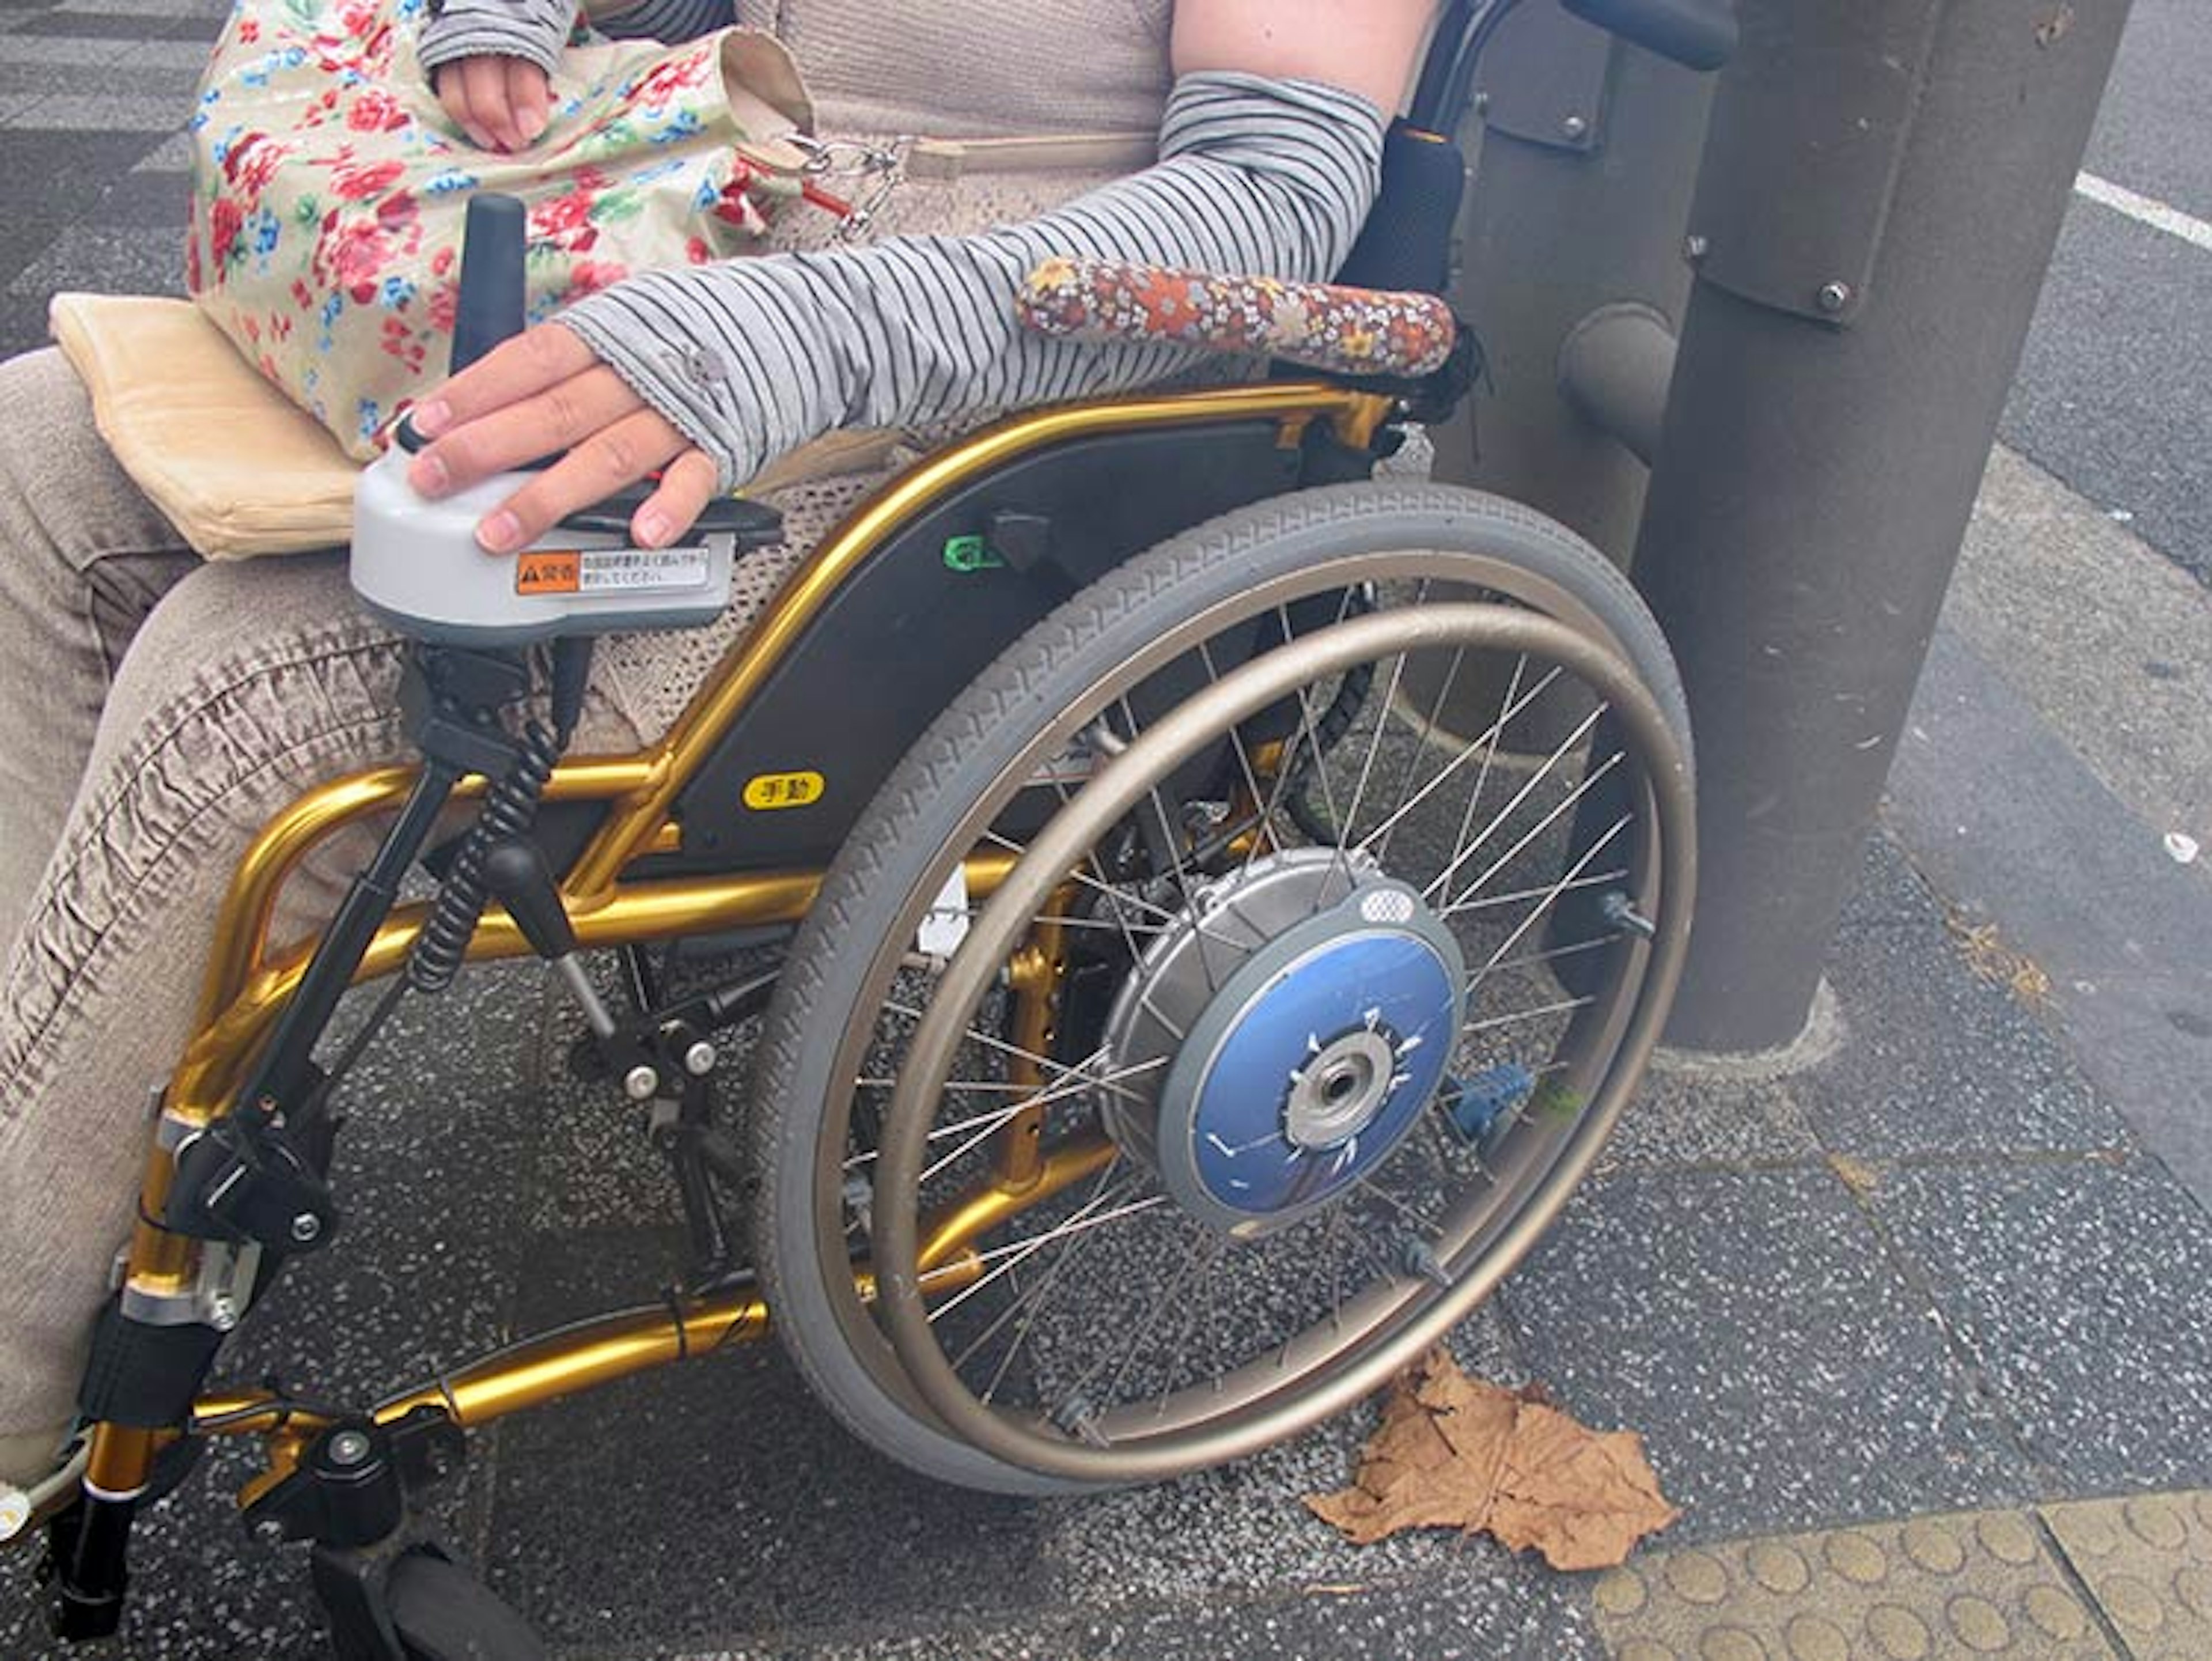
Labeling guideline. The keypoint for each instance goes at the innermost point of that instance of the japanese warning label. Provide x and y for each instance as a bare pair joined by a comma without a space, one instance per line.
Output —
611,571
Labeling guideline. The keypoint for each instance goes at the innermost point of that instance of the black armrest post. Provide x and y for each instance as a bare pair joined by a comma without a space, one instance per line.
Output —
1405,245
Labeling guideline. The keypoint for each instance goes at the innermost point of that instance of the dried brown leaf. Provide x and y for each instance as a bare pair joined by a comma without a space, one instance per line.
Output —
1457,1452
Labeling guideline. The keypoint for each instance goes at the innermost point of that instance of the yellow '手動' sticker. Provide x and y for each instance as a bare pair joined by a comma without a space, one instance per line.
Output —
777,790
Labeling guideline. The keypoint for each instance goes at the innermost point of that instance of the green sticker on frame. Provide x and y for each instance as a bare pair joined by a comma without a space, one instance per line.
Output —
966,554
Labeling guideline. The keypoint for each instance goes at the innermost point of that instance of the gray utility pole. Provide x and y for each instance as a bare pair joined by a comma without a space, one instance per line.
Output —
1586,151
1882,186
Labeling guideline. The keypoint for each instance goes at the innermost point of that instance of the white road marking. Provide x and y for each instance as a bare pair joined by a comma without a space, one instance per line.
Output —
2146,210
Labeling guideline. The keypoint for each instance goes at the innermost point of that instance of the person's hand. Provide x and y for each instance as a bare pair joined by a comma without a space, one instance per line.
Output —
501,103
541,393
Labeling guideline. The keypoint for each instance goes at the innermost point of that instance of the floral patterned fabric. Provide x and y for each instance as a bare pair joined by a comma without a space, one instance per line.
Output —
1355,331
329,189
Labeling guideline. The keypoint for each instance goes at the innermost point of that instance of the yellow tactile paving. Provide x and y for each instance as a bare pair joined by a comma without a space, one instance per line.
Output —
2148,1561
1972,1585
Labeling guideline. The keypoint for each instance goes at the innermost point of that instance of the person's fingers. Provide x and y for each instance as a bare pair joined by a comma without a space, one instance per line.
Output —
602,465
530,95
452,84
481,82
512,371
687,485
489,101
558,417
485,85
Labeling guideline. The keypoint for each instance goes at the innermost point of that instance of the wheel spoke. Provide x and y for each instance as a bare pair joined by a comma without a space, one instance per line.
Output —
1551,897
1429,725
1191,1311
1553,818
985,1123
1286,772
1552,954
1369,1185
1494,1022
1331,1233
1193,1262
1028,1306
1309,733
1350,825
1444,777
993,1122
1468,850
1489,757
1263,829
1513,897
1012,1256
1006,1048
1171,839
1121,896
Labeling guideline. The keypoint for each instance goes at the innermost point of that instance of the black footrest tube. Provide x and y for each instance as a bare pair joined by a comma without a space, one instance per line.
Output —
88,1546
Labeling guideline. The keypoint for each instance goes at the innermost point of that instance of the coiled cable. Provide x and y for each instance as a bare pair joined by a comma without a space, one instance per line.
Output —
510,809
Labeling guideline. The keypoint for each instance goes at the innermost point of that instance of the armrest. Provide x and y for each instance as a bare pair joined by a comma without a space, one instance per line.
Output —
1320,325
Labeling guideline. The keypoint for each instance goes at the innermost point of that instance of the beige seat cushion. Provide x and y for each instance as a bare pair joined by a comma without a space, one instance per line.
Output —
237,468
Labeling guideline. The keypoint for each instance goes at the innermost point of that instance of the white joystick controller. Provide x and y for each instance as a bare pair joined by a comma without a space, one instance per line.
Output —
416,564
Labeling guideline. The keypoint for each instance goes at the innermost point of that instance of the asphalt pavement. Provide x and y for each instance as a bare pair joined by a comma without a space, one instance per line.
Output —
1918,1334
2114,395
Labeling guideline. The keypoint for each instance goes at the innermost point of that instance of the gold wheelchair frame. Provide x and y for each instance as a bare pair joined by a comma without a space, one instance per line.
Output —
245,990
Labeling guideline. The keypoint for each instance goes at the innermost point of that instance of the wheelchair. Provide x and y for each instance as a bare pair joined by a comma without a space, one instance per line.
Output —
1203,907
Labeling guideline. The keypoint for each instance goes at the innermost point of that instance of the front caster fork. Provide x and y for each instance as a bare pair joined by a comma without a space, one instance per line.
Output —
349,1497
347,1493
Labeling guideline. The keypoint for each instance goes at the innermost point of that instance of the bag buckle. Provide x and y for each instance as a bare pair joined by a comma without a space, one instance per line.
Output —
874,172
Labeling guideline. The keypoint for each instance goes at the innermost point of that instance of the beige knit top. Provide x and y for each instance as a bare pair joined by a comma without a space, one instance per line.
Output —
977,68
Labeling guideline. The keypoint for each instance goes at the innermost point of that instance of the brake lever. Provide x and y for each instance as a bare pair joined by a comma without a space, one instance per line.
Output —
754,524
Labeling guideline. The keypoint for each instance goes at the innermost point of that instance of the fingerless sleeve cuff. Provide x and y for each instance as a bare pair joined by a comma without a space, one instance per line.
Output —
536,30
751,357
667,20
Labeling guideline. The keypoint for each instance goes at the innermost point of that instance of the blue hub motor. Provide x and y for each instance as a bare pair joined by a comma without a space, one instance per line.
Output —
1278,1042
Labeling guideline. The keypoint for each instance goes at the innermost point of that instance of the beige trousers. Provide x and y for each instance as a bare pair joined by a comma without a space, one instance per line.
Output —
155,710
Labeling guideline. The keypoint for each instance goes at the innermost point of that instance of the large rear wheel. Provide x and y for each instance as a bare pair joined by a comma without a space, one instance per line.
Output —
1211,1008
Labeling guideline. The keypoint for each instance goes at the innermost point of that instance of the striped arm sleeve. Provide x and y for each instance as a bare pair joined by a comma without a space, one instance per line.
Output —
752,358
534,29
667,20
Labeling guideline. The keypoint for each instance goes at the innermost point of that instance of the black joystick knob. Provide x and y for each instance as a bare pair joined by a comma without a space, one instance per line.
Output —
492,307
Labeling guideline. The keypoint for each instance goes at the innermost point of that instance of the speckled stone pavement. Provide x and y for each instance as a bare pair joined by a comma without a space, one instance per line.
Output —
1917,1334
